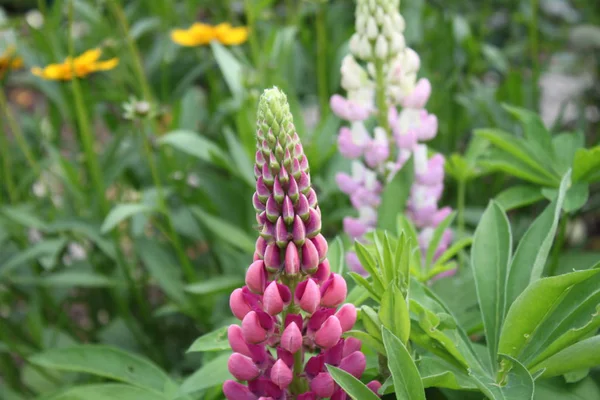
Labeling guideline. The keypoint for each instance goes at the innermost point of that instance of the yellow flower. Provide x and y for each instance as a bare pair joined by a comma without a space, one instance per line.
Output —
8,61
201,34
81,66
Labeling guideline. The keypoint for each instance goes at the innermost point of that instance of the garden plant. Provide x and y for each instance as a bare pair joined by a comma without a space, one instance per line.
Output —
299,200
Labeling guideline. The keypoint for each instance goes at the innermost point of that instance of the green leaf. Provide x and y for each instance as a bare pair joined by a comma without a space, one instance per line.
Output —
370,265
195,145
162,268
230,67
121,212
106,391
211,374
535,131
519,196
355,388
517,148
213,341
215,285
586,165
407,381
505,162
558,389
530,258
517,382
335,255
490,256
393,313
371,321
575,198
84,279
105,361
225,231
533,306
394,197
48,249
435,372
565,147
244,166
585,354
364,283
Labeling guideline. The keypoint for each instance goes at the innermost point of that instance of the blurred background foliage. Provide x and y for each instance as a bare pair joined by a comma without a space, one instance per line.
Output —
126,216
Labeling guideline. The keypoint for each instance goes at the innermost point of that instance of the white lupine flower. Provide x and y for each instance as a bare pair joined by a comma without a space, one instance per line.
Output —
372,30
353,76
379,15
365,50
397,42
381,47
355,43
420,155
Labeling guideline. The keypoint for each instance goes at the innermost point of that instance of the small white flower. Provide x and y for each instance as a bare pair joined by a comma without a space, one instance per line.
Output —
76,251
193,180
35,19
39,189
381,47
372,30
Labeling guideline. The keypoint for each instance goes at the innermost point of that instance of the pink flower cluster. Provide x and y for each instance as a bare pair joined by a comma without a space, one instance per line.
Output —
377,157
291,304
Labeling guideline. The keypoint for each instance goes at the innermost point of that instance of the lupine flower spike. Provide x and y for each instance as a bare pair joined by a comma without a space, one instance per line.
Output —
289,305
387,89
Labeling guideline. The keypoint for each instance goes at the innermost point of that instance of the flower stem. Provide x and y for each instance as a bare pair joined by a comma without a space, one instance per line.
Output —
322,81
6,161
253,37
382,109
18,134
460,207
162,204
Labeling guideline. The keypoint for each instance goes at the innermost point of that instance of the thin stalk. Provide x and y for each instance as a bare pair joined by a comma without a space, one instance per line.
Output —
6,165
460,207
253,37
534,49
162,204
137,59
382,109
18,134
85,134
322,81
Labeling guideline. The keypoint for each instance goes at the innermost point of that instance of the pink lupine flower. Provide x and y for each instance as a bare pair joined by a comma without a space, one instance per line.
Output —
348,109
377,150
289,306
418,98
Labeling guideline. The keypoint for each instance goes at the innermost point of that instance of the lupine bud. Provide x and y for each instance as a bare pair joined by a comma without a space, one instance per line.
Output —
236,391
287,210
273,209
298,231
374,386
293,191
272,258
281,233
307,396
329,333
252,329
310,258
354,364
291,339
258,206
281,374
351,345
256,277
302,207
323,272
333,292
323,385
237,303
275,297
236,340
278,192
339,395
291,262
347,316
313,226
308,296
381,47
321,245
242,367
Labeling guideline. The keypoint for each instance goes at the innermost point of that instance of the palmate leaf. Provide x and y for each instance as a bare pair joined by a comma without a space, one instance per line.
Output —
585,354
517,382
534,306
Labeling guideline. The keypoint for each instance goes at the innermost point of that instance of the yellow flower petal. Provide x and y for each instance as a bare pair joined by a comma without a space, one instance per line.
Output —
234,36
88,57
106,65
183,38
16,63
